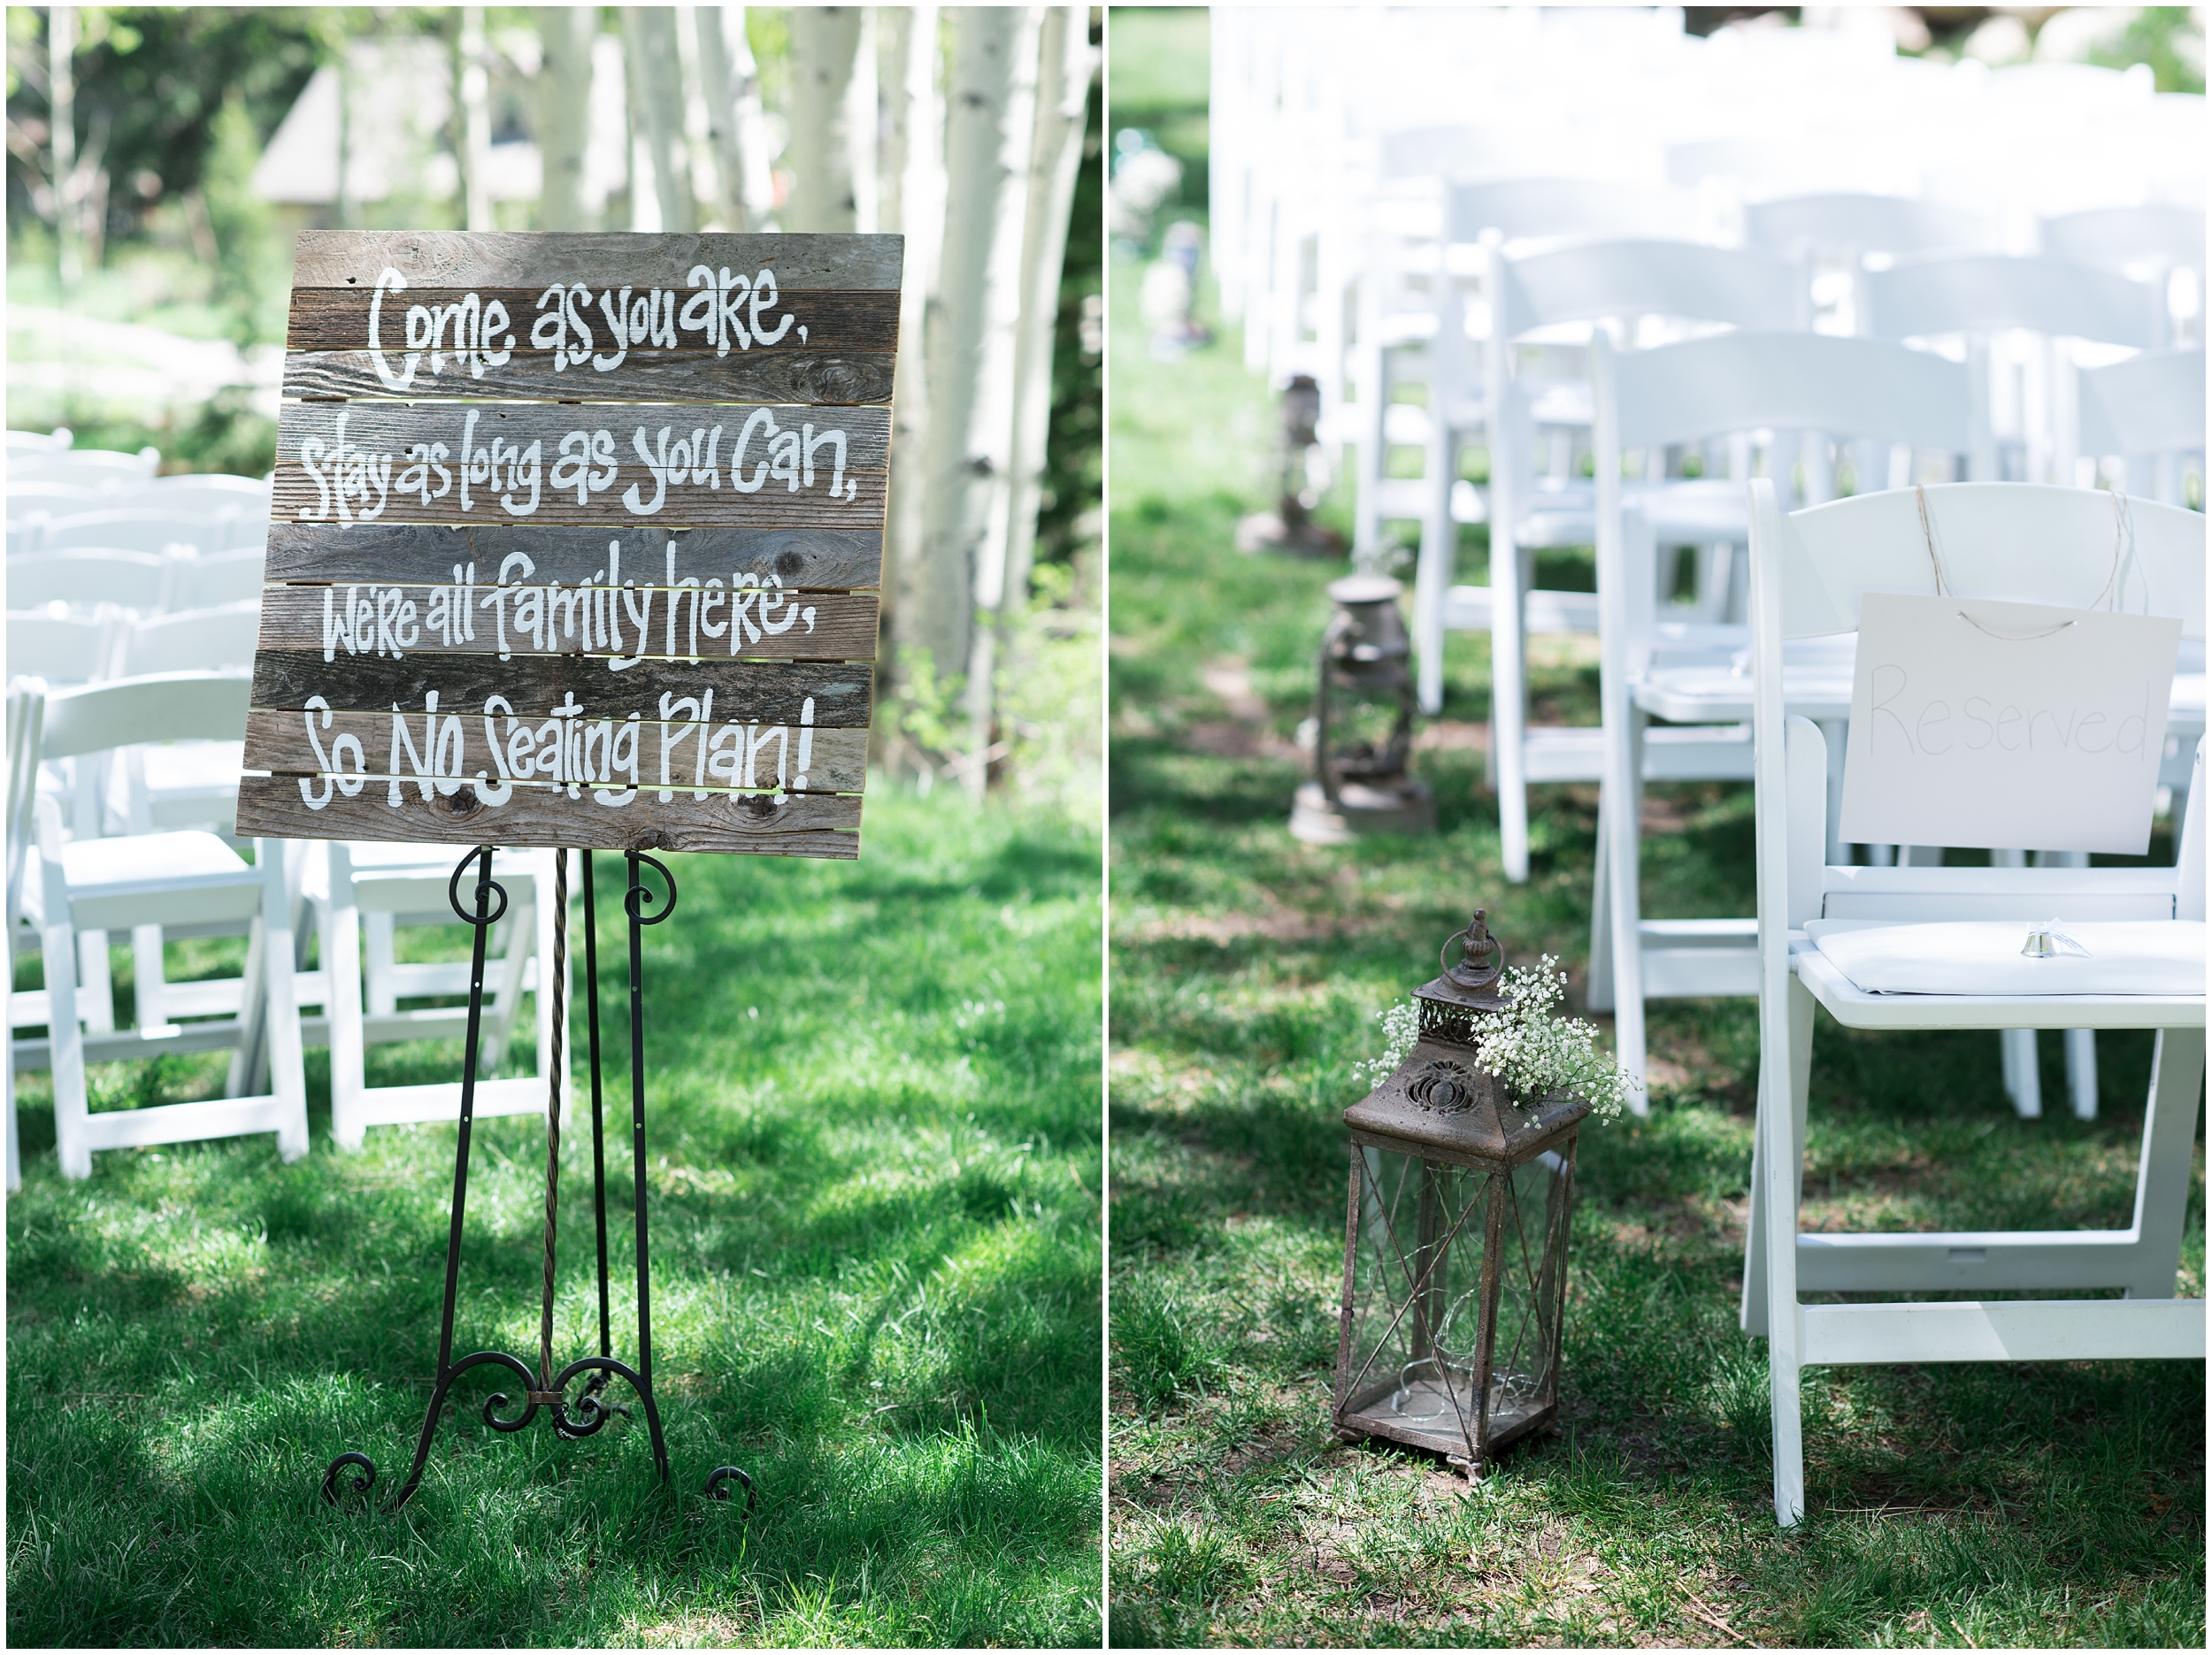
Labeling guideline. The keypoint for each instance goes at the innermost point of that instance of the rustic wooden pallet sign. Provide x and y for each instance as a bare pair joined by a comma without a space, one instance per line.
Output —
576,540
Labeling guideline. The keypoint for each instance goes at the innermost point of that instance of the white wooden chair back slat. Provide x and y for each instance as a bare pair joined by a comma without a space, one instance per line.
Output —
84,579
62,647
157,707
1526,208
195,640
2117,237
1934,295
1762,292
211,580
98,467
129,531
1852,225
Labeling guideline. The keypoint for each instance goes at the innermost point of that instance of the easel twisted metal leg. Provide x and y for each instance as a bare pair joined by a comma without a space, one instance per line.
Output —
547,1389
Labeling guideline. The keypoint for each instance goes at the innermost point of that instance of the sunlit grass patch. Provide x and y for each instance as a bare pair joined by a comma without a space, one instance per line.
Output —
875,1286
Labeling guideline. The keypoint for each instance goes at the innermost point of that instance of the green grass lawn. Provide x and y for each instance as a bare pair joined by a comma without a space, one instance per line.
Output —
873,1130
2015,1504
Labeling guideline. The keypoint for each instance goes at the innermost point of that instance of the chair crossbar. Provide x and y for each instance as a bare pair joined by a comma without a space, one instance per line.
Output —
2006,1330
1973,1261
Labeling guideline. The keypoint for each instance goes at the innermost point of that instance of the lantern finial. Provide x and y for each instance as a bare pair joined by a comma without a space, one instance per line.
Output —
1481,956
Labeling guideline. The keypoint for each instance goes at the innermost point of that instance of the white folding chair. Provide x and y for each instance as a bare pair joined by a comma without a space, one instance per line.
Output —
131,531
2154,243
1408,293
1810,570
64,645
390,885
100,467
1808,389
1836,233
200,493
2148,411
2026,390
31,505
135,582
181,884
214,579
31,442
1642,288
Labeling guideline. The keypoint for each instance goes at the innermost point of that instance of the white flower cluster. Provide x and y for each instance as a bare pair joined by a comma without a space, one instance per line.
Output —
1540,1055
1535,1052
1401,1026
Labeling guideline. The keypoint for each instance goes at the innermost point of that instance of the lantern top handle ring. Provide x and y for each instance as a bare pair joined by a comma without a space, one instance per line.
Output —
1481,956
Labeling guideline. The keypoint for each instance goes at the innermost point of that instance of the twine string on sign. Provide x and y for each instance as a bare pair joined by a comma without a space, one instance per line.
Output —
2123,521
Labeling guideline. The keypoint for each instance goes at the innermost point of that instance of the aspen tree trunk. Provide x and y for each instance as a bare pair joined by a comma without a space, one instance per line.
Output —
476,122
698,142
912,206
566,34
61,72
1065,64
734,134
989,124
832,118
649,35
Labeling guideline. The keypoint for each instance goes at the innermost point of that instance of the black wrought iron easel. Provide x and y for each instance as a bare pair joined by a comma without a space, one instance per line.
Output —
547,1389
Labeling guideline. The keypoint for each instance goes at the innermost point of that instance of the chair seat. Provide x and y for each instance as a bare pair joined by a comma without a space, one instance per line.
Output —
1855,1009
1575,752
175,878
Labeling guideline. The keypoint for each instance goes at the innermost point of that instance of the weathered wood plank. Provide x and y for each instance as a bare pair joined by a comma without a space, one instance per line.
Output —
687,622
455,462
449,258
822,377
810,559
534,686
308,744
797,825
590,326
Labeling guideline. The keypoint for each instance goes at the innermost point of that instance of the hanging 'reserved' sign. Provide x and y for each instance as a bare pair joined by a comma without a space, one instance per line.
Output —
576,539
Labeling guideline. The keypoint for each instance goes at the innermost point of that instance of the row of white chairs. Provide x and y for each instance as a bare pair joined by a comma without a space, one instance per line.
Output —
175,578
164,883
208,517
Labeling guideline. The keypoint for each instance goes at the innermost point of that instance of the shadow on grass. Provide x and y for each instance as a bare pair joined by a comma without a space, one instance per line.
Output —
873,1132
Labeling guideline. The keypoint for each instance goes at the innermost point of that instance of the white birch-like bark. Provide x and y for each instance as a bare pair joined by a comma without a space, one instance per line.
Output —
724,89
565,34
832,118
1066,63
657,109
912,205
476,123
698,127
989,125
61,95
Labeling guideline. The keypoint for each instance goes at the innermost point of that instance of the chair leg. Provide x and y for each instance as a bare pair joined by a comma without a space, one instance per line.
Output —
342,987
281,1021
1432,572
2161,1183
2081,1071
1782,1127
95,983
1623,847
149,979
544,997
1600,996
2024,1078
382,998
248,1057
1508,699
65,1041
522,937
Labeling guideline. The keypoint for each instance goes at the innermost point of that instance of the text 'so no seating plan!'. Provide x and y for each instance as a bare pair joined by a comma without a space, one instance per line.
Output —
576,539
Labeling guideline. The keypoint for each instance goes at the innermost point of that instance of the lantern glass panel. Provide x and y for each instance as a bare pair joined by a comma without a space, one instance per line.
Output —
1452,1335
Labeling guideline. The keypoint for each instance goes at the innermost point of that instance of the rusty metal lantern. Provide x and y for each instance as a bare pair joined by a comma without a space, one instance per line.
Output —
1456,1248
1360,783
1291,527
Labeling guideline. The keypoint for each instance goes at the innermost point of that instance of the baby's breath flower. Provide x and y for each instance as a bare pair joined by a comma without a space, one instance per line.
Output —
1537,1055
